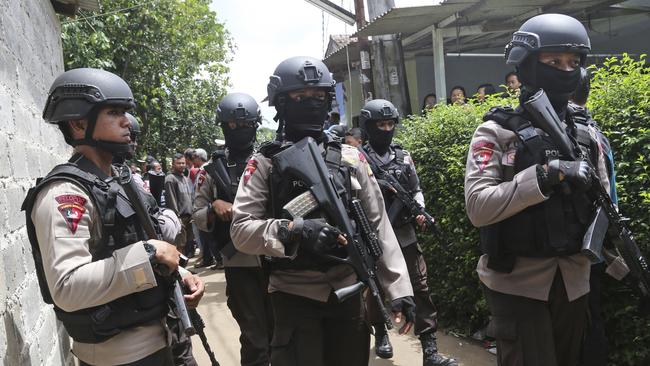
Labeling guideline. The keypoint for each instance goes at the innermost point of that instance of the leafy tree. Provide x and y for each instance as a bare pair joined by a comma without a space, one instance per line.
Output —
173,54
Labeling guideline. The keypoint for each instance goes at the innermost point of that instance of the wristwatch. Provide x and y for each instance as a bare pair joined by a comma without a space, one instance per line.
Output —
151,251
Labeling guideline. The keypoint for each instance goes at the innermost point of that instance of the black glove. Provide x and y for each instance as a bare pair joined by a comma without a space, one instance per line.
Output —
578,173
316,236
405,305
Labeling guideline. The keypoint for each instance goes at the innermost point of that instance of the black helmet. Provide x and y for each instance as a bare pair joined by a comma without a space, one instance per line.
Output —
377,110
75,93
78,94
238,107
548,32
135,126
337,132
298,73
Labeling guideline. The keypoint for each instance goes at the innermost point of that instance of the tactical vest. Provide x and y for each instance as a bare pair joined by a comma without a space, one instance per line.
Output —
225,174
120,227
283,189
551,228
402,172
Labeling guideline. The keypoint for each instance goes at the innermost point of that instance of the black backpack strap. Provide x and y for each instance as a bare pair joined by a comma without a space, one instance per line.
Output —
399,154
513,120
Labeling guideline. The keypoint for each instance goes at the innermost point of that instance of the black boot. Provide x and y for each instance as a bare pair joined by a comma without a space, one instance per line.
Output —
383,348
430,354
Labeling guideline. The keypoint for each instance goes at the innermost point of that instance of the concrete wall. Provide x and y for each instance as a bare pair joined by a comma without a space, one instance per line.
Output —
30,59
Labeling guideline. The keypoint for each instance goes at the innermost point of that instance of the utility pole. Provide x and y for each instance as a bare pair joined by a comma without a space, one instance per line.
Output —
388,59
365,70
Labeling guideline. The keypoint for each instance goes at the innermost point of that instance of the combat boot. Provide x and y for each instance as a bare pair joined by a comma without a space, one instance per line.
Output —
383,348
430,354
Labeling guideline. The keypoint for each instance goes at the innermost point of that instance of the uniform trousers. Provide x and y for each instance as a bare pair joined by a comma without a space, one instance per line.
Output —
426,316
314,333
181,346
250,305
163,357
537,333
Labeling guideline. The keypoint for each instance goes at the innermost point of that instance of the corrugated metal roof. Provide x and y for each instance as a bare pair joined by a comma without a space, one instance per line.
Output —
481,24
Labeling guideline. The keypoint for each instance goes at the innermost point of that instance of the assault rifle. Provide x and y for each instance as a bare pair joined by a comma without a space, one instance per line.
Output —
607,216
303,161
404,197
191,320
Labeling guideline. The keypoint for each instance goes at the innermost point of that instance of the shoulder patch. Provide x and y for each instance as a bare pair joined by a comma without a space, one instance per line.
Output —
350,156
72,209
251,167
482,153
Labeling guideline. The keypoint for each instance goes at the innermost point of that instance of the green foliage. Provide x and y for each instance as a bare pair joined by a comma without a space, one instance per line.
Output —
439,141
172,53
620,102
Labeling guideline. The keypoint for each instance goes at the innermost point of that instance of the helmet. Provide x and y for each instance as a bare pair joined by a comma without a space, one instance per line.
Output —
75,93
377,110
238,107
548,32
78,94
337,131
298,73
135,126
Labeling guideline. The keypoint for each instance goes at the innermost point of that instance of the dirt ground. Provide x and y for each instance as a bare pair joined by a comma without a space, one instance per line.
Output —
223,334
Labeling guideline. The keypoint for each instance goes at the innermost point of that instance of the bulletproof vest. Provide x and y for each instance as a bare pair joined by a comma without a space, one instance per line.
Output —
225,174
402,172
283,189
551,228
119,228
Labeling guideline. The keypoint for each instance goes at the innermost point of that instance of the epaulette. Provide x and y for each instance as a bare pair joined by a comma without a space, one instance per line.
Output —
219,154
270,148
579,114
500,114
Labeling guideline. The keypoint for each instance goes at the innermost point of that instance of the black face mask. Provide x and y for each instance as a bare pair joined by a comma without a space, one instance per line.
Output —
555,81
239,139
304,118
379,139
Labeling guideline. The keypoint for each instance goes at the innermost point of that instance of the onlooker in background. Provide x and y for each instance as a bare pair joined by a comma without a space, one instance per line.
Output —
189,162
178,197
484,90
334,118
354,137
428,102
457,95
512,83
199,158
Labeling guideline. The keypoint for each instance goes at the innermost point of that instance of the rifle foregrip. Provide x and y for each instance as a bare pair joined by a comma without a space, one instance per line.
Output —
368,234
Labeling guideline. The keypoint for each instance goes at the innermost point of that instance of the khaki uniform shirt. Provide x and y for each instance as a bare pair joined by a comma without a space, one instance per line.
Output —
254,231
206,193
491,196
76,282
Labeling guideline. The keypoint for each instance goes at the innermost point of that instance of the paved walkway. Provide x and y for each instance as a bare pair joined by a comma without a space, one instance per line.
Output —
223,334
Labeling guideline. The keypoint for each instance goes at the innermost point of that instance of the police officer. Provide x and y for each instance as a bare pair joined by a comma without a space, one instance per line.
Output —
530,204
310,326
91,260
246,282
379,118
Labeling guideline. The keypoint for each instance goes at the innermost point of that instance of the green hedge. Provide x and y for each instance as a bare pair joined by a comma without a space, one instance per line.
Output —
439,140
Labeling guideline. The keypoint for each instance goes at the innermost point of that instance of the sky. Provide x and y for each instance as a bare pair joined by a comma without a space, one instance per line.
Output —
266,32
